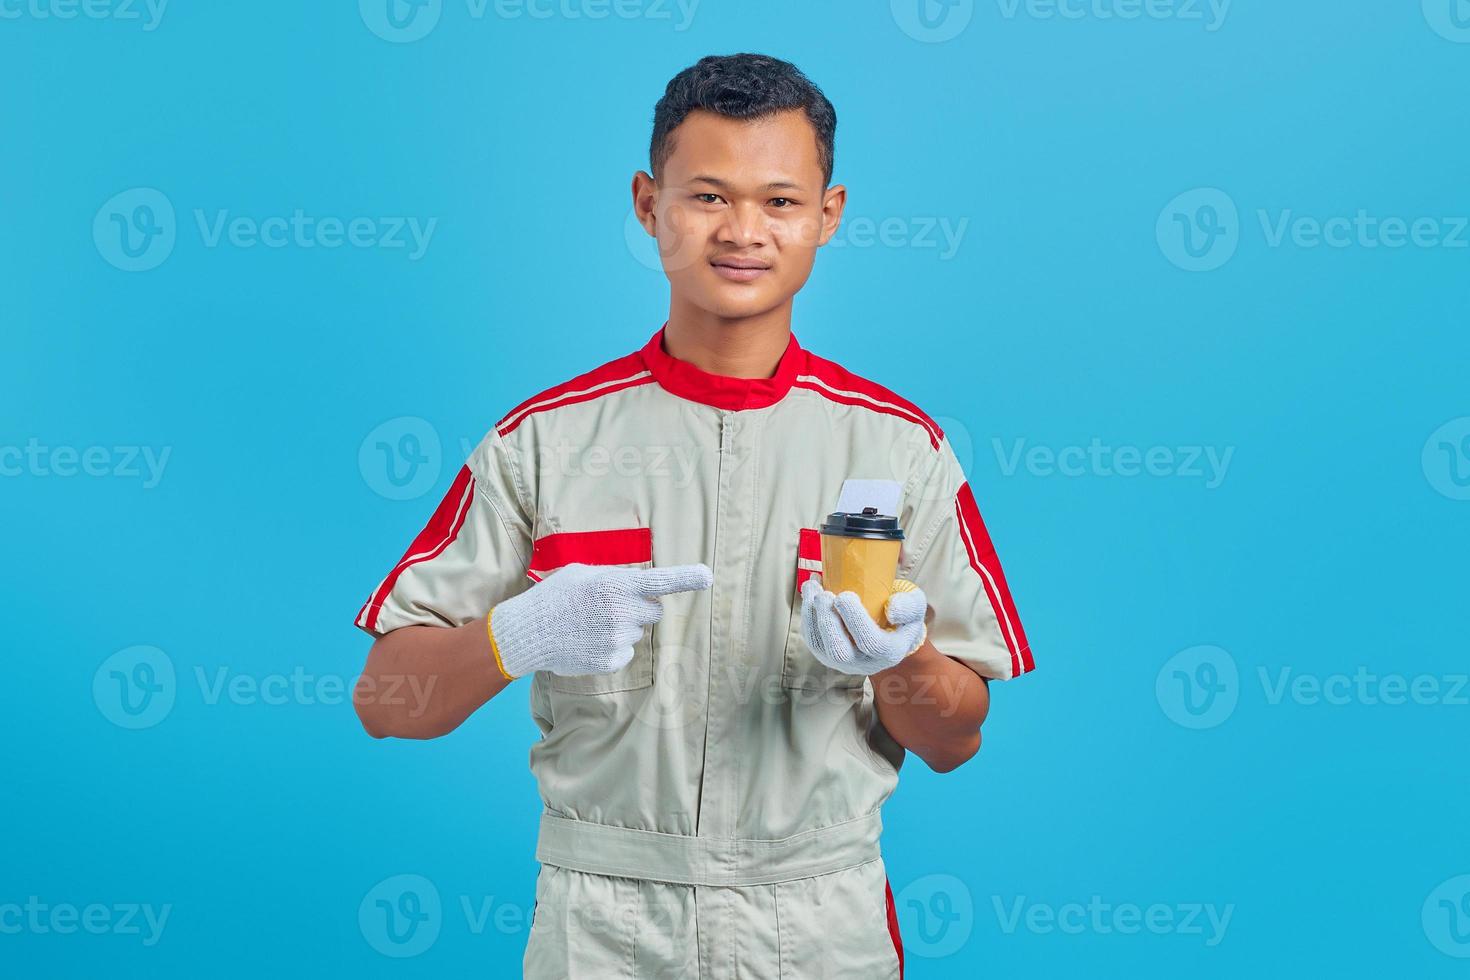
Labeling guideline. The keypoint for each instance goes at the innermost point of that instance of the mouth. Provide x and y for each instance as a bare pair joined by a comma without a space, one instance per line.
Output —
740,270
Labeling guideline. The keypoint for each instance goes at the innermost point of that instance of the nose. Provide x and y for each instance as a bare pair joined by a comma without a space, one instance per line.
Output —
743,227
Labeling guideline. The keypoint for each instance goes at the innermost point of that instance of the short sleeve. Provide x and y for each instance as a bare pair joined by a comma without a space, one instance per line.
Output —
948,554
472,553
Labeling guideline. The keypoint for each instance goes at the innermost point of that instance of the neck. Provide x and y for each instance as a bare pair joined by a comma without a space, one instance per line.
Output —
747,347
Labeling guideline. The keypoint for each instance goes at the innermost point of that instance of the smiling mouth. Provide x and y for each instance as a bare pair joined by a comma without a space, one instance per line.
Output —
740,273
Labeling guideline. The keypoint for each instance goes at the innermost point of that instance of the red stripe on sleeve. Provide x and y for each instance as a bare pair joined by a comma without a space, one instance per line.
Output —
983,559
443,527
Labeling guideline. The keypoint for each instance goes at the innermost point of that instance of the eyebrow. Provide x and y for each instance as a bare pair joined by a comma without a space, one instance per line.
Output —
775,185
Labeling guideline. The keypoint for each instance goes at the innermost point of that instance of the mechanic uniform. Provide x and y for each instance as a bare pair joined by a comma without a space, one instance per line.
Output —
712,809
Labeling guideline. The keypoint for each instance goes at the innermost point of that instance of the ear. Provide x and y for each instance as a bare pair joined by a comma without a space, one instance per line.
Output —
833,201
645,197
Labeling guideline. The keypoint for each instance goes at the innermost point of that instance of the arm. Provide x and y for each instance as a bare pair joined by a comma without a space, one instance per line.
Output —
933,705
431,665
583,619
934,702
424,681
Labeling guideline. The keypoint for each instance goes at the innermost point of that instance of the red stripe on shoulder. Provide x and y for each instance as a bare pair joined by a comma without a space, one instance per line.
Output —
575,390
832,375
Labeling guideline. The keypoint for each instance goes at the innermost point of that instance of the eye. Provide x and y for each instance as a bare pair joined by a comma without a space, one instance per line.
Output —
780,201
713,198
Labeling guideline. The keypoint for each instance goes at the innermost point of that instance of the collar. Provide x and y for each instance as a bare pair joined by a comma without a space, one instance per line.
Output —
687,381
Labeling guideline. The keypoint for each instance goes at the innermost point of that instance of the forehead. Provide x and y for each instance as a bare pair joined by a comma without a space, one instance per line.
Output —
745,152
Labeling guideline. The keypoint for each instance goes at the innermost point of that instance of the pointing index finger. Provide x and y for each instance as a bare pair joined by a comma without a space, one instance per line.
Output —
651,582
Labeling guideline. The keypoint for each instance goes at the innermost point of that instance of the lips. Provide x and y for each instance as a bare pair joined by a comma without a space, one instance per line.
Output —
740,270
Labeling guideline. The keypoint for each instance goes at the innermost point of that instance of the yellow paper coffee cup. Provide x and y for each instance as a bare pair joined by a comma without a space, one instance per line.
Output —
860,554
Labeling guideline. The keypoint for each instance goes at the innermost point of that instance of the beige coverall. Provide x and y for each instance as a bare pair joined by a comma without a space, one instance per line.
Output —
712,810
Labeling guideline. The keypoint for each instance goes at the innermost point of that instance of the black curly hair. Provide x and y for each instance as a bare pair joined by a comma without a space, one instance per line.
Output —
741,86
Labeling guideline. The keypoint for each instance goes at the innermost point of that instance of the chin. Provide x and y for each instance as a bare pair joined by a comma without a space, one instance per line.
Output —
730,299
738,307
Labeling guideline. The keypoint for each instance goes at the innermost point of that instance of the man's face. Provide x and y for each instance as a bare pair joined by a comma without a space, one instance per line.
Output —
740,211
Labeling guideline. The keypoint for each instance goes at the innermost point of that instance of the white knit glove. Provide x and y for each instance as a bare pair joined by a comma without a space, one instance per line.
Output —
584,619
863,647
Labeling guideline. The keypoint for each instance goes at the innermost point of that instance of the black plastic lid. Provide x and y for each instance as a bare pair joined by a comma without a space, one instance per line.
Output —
868,524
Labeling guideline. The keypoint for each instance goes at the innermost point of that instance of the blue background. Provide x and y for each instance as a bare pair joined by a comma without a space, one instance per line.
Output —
1334,541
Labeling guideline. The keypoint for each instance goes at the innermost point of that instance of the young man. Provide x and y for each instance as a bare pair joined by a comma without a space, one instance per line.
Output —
719,732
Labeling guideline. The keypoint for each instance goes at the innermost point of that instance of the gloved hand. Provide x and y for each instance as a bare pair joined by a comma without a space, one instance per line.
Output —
863,647
584,619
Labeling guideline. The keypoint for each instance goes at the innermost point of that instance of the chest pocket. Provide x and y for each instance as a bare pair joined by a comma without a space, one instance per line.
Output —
800,670
624,547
